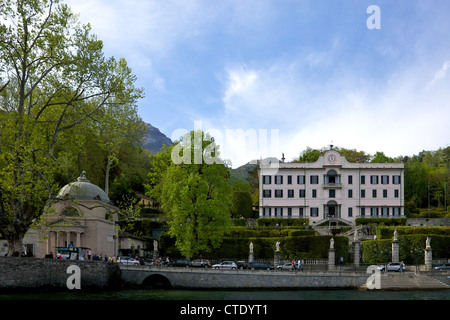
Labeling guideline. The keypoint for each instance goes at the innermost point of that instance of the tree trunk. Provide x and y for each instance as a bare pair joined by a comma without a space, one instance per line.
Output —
15,245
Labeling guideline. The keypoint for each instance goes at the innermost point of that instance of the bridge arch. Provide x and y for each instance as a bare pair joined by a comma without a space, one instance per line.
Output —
156,281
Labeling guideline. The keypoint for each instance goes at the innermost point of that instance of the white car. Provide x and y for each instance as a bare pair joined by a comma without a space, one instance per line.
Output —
225,265
128,261
393,266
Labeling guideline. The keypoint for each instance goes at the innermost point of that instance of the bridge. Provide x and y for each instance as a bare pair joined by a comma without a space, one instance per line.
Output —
192,278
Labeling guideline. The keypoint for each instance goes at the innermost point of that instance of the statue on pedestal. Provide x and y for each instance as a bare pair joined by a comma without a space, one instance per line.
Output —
277,246
395,235
331,243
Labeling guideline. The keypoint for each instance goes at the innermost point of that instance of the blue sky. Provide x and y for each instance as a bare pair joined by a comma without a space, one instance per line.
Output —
295,73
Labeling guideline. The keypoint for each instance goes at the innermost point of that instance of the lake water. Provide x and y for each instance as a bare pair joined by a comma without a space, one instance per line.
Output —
151,294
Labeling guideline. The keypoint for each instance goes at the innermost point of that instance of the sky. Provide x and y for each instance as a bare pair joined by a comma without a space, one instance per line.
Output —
273,77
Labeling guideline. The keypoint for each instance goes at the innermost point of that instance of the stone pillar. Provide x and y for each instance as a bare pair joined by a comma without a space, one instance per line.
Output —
356,250
277,258
155,249
277,255
57,240
68,238
251,257
78,244
395,248
428,255
49,239
331,256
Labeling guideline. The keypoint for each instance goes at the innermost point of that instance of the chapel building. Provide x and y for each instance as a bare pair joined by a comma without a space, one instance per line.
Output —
81,217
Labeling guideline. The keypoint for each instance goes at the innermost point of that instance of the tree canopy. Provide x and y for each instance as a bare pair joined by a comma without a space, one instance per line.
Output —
194,194
55,87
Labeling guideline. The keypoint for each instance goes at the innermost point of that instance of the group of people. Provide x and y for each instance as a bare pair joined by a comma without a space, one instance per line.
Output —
297,265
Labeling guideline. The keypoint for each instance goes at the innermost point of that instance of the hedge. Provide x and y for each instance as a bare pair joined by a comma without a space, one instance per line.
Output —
388,232
372,250
240,232
381,221
313,247
297,247
265,222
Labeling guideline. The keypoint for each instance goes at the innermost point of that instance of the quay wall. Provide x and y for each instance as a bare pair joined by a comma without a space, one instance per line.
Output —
34,273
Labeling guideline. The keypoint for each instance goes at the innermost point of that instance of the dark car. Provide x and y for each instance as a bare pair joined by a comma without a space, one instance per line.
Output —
201,263
260,266
179,263
445,266
242,265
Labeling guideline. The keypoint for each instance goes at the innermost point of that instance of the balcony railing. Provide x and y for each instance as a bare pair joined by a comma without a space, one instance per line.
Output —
336,185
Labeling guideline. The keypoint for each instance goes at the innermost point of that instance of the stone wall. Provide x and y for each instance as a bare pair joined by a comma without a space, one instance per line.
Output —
424,222
34,273
188,278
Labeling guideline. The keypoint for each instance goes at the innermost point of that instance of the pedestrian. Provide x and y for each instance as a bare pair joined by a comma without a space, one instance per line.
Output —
402,267
293,264
299,265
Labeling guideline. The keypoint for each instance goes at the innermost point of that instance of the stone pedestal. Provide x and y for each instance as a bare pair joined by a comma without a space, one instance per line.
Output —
251,257
395,251
428,259
331,259
356,253
277,258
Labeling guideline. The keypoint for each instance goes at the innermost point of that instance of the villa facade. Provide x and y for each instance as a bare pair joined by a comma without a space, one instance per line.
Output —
331,188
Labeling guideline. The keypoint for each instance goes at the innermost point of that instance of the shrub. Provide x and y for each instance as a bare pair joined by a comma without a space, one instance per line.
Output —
266,222
388,232
381,221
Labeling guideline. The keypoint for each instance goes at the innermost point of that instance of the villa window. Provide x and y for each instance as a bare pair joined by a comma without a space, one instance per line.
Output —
278,179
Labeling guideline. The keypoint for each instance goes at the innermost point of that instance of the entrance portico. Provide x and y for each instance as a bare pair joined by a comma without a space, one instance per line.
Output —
332,210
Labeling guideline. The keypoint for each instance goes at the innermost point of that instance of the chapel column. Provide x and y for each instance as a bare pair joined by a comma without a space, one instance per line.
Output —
78,244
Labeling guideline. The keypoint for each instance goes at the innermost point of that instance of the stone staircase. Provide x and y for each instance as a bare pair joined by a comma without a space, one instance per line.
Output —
409,281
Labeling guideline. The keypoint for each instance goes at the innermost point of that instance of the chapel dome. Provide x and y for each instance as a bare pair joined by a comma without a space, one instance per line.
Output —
83,189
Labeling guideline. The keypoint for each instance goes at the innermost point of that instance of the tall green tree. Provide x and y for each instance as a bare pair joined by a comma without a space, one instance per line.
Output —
53,77
194,194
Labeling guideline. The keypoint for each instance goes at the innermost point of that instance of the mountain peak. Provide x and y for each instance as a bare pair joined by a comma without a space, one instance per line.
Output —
155,139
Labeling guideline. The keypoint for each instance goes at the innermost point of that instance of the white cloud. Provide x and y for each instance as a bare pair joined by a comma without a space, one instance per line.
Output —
440,74
398,117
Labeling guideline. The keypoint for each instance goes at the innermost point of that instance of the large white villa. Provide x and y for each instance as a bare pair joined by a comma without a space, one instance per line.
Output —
331,188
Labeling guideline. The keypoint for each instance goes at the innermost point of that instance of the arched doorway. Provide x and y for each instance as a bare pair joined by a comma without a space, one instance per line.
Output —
331,209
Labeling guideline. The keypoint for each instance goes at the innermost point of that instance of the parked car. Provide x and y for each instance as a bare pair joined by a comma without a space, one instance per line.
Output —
242,265
260,266
393,266
128,261
179,263
286,266
445,266
225,265
201,263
